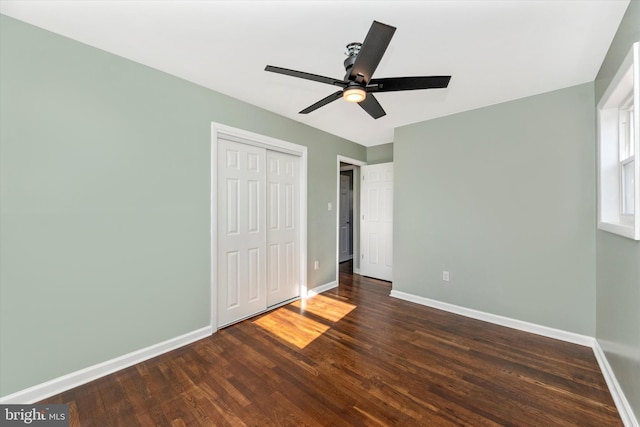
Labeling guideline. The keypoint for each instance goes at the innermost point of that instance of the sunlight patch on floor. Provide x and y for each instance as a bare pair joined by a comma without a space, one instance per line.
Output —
325,307
291,327
298,330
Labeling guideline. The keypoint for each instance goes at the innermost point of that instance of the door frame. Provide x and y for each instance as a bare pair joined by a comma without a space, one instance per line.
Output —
274,144
356,212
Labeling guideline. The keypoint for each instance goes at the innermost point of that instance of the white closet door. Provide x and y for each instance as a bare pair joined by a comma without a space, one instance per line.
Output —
283,230
376,229
242,235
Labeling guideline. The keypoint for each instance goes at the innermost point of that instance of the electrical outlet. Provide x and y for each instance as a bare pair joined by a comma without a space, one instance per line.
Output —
329,206
316,265
445,276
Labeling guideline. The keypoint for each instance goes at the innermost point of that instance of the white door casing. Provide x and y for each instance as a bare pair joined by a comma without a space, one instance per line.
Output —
219,216
242,234
345,220
348,163
282,229
376,228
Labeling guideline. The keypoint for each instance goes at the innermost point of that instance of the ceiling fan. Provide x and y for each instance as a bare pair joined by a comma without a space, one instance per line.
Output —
362,61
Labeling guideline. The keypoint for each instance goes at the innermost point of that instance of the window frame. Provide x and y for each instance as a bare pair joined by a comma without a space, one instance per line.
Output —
621,94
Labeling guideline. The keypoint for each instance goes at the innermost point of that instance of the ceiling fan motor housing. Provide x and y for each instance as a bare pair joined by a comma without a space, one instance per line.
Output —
352,53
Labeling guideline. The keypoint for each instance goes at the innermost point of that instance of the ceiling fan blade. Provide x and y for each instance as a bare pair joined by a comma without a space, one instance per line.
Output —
393,84
372,106
322,102
372,50
306,76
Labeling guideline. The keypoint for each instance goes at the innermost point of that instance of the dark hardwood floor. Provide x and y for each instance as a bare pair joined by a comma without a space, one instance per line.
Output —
354,356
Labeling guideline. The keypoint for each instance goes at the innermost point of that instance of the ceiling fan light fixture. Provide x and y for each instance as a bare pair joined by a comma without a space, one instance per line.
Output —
354,94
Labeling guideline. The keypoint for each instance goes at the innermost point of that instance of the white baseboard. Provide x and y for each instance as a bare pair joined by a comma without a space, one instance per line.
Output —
322,288
499,320
624,408
356,271
58,385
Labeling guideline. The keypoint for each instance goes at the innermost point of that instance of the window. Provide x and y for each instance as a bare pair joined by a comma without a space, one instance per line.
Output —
618,143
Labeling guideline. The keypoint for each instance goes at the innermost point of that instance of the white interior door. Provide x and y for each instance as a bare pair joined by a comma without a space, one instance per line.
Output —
283,253
376,228
242,234
346,252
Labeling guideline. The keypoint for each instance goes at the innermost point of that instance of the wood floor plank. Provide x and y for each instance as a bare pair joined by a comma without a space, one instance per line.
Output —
354,356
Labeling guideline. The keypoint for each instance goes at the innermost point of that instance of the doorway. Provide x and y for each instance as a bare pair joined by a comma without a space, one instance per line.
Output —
345,205
348,215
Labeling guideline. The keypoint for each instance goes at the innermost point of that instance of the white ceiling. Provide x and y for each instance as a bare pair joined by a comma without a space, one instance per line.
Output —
495,50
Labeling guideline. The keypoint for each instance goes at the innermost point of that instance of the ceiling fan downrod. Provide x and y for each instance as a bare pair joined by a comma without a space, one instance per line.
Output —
352,51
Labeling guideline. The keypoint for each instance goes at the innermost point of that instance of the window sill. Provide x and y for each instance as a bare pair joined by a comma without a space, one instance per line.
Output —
624,230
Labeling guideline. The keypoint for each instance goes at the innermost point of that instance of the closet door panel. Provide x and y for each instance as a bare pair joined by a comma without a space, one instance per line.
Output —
242,231
283,233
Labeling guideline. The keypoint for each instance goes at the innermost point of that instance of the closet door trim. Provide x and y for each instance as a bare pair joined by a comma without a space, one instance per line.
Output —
220,131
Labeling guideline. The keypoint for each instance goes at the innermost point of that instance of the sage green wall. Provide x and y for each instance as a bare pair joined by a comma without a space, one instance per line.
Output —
503,198
618,258
104,220
380,154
